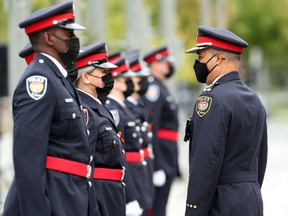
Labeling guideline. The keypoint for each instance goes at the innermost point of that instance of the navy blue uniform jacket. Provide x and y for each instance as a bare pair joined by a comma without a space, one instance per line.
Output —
228,151
50,124
126,125
108,153
163,114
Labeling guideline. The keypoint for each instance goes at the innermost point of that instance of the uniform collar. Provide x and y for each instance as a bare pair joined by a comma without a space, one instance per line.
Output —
222,79
94,98
58,65
117,100
132,100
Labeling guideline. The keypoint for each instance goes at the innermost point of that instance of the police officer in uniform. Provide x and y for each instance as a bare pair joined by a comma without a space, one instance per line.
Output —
28,54
163,115
50,148
125,122
94,74
227,132
139,111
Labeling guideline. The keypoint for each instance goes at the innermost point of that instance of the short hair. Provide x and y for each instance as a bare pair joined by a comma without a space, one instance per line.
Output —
229,56
35,38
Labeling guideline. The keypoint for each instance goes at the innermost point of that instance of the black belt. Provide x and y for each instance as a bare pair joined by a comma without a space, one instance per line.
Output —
237,177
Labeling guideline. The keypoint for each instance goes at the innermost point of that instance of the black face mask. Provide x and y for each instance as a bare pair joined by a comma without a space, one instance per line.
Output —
108,81
130,88
72,71
144,84
103,92
73,47
201,70
170,72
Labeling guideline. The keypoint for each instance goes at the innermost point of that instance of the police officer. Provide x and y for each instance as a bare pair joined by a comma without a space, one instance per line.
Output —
125,122
28,54
94,74
163,115
227,132
50,148
139,111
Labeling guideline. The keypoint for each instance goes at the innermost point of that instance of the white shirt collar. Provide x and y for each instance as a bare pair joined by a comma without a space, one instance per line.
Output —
58,65
116,99
217,79
132,100
96,99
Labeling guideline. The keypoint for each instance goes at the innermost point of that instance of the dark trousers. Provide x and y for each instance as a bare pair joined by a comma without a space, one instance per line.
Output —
161,197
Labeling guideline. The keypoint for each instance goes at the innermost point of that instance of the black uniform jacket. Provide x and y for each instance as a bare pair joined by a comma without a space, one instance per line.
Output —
163,113
48,120
109,153
140,114
126,125
228,151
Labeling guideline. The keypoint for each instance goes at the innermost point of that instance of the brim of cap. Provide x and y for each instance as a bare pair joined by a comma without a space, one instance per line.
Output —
73,26
106,65
129,74
196,49
145,72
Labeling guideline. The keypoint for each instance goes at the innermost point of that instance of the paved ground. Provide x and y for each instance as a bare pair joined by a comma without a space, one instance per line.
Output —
275,187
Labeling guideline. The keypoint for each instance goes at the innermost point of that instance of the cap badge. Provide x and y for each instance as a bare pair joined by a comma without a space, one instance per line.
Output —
203,104
36,86
158,56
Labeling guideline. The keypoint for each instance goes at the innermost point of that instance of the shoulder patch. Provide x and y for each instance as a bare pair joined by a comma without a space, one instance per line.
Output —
36,86
116,116
203,104
86,115
153,93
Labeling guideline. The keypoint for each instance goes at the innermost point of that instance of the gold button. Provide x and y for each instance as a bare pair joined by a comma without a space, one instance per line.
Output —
191,206
195,206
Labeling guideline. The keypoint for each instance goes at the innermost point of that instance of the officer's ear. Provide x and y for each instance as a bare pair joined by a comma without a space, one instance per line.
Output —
219,57
48,38
84,77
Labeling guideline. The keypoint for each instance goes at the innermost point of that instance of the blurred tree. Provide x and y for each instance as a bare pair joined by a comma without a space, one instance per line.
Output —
3,23
263,24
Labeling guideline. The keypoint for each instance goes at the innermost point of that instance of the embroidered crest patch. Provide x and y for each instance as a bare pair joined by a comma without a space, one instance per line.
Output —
203,105
36,86
86,115
116,116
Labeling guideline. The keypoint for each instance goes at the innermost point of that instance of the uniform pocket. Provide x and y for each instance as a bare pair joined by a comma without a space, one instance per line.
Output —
112,151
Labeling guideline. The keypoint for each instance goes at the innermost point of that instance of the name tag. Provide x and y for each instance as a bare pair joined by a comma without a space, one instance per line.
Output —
68,100
108,128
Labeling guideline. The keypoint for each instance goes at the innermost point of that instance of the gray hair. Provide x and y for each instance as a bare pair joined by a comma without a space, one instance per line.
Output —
230,57
88,69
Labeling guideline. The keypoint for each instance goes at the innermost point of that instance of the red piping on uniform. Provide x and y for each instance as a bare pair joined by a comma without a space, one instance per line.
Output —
68,166
220,44
152,58
135,67
29,58
167,134
120,69
134,157
96,57
146,152
48,22
108,174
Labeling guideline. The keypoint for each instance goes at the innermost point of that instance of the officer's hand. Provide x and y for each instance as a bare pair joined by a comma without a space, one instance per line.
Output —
159,178
133,209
